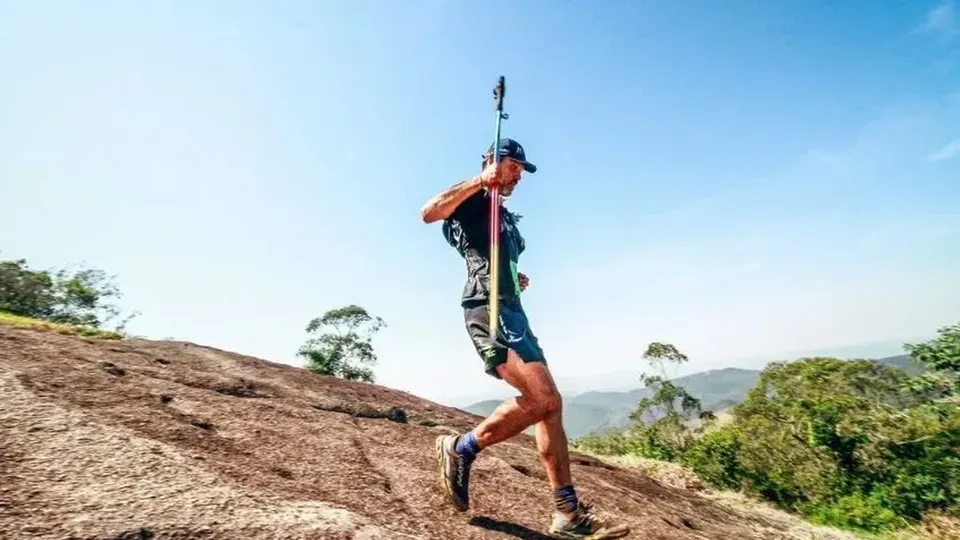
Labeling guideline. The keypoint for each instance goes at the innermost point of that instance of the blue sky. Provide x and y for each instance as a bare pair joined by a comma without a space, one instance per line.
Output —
743,179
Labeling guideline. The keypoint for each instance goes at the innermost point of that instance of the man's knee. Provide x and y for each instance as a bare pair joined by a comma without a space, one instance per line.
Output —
547,403
536,385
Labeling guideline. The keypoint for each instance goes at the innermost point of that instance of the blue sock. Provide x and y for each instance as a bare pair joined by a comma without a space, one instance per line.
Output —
467,446
565,499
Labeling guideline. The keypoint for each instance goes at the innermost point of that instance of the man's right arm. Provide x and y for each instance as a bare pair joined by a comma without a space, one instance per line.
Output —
446,202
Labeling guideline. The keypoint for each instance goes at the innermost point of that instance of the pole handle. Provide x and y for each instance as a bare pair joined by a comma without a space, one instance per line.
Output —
499,91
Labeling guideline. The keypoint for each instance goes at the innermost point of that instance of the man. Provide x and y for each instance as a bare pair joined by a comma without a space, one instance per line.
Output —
514,355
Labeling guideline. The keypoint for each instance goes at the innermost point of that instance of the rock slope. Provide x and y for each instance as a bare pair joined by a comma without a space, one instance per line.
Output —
158,439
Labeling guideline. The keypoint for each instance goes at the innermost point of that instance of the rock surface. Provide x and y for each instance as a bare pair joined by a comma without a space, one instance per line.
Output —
158,439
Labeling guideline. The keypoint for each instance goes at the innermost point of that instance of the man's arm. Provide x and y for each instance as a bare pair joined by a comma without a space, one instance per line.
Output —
444,203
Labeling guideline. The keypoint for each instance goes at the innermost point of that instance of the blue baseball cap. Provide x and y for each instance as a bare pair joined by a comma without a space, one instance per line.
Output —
512,149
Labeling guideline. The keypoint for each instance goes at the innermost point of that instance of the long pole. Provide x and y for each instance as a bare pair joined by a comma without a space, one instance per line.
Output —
498,93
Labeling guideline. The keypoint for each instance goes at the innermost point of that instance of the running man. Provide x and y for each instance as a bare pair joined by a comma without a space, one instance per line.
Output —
515,355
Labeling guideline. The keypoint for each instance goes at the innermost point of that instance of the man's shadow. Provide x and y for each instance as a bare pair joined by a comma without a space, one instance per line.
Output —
519,531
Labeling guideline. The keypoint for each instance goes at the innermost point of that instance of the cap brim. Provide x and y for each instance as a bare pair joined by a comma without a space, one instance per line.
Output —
529,167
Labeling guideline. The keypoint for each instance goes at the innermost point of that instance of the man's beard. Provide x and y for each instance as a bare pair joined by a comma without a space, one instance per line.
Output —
507,193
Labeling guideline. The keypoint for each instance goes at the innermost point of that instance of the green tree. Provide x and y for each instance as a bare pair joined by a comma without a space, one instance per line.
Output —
341,343
82,296
667,396
26,292
715,458
666,436
841,442
806,423
941,357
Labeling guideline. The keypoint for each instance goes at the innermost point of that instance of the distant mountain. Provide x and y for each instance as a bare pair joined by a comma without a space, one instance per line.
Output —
623,380
591,412
717,390
903,362
579,419
483,408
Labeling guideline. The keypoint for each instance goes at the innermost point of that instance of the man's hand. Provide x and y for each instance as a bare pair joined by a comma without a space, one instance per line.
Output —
492,175
504,174
524,281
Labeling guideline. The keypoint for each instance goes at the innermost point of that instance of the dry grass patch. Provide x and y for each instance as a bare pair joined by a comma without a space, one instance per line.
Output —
16,321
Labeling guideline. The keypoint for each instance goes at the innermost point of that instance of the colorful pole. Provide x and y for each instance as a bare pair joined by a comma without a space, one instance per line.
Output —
498,93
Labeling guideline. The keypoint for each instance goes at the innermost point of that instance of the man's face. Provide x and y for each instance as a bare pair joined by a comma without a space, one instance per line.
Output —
512,172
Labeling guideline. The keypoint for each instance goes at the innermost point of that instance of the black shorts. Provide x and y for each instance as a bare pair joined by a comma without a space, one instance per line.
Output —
513,332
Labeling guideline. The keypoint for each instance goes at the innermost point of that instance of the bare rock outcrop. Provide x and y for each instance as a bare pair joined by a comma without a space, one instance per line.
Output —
158,439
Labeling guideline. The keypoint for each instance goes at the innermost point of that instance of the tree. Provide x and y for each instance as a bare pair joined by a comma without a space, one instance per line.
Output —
667,437
26,292
806,423
839,441
341,345
941,357
82,296
666,395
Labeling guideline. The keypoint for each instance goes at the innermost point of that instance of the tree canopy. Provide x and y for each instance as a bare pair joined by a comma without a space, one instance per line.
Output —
341,343
82,296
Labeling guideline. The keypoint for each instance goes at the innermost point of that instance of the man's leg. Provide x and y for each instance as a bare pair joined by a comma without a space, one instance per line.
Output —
536,384
573,520
552,445
524,367
526,370
516,357
538,399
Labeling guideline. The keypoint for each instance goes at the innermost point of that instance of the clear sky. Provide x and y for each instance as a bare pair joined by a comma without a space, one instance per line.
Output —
742,178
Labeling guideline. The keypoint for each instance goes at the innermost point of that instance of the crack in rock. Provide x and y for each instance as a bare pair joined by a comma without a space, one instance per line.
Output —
394,414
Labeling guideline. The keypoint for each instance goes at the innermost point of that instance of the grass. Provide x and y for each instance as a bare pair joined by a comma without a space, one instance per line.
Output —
16,321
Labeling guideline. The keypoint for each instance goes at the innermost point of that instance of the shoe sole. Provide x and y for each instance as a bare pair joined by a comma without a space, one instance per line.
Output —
444,479
616,533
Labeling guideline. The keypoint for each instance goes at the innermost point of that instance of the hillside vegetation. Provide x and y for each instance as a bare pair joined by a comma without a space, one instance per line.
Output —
859,444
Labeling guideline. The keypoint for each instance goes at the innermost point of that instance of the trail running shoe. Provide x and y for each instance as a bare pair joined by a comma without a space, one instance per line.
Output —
454,471
585,525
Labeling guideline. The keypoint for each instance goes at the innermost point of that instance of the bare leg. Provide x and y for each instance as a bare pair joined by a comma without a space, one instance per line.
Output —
509,419
552,445
538,398
535,381
540,403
